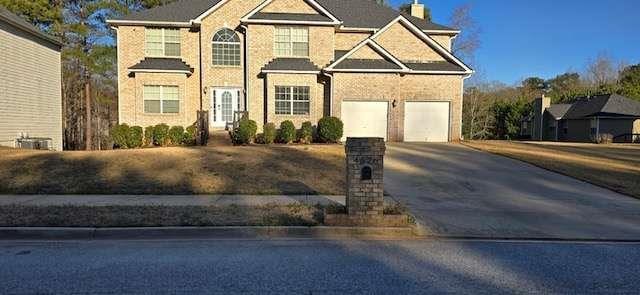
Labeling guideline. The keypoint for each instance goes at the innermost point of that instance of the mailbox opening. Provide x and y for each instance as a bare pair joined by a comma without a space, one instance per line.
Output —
366,173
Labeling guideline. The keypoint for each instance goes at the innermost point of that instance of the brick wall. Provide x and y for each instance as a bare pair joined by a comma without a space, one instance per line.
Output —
405,45
389,87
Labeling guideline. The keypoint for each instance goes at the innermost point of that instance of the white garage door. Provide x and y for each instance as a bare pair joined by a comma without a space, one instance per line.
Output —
364,118
426,121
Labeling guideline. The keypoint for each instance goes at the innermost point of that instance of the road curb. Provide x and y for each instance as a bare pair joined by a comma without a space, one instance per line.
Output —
221,232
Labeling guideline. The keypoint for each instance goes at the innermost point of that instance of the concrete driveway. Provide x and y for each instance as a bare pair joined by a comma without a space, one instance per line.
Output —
457,191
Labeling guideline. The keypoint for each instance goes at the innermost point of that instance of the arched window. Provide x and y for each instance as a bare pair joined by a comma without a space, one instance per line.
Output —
226,48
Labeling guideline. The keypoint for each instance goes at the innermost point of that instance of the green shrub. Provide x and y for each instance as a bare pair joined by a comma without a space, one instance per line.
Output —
270,132
305,135
190,135
176,135
246,132
119,135
160,134
330,129
134,138
287,132
148,135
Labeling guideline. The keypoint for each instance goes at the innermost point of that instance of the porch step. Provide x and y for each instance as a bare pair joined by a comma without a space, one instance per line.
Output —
219,138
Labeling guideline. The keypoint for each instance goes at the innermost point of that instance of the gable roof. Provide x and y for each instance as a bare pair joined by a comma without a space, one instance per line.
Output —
287,65
344,64
162,65
608,104
19,23
558,111
452,65
313,3
360,14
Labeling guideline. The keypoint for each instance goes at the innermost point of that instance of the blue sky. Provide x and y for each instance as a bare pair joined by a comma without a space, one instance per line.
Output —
546,37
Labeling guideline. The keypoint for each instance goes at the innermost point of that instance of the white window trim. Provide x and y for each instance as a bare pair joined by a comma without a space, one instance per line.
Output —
163,43
290,28
291,100
161,99
239,43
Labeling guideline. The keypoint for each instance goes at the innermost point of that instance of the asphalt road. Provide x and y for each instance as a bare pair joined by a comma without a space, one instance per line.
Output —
317,267
458,191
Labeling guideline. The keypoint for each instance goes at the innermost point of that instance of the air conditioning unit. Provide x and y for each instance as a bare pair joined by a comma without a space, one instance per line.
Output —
34,143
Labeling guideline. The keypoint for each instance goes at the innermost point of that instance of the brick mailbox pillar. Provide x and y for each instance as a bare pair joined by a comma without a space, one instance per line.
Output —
365,188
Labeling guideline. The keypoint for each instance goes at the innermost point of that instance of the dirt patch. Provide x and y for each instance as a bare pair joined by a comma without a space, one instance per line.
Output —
616,167
254,170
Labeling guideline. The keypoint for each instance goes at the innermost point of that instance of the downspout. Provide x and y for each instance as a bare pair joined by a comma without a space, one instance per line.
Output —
246,67
200,61
330,92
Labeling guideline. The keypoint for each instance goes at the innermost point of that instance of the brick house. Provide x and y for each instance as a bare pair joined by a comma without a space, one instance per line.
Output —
384,73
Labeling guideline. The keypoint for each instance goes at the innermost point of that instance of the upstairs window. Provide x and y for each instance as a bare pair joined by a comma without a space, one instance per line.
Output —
292,100
162,42
292,42
161,99
226,48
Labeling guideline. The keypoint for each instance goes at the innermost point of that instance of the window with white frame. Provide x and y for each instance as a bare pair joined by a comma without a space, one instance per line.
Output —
292,100
162,42
161,99
292,41
226,48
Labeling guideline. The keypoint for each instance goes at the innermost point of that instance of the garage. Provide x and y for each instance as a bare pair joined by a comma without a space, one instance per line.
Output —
426,121
365,118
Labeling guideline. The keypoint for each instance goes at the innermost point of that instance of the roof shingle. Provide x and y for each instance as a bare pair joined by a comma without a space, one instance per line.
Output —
162,64
291,16
19,23
367,64
291,64
611,104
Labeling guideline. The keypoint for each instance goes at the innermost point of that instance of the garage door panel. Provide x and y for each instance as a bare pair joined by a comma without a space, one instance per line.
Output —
426,121
365,118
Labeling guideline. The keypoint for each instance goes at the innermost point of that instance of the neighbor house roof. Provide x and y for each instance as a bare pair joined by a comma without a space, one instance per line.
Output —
19,23
363,14
558,110
290,65
161,64
608,104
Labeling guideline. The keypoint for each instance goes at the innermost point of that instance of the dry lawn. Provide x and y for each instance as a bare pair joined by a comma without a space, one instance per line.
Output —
615,166
260,170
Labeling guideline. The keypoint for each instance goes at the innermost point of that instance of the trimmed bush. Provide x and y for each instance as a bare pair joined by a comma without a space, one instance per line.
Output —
160,134
134,138
190,135
330,129
305,135
148,136
270,133
246,132
176,135
119,135
287,132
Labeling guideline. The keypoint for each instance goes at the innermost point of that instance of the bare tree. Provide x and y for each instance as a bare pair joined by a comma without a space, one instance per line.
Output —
468,42
603,70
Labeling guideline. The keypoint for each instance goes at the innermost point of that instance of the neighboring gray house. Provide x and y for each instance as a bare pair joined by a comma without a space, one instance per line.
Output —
585,119
30,85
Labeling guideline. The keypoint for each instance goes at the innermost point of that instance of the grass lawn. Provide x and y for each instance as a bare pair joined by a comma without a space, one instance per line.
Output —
615,166
260,170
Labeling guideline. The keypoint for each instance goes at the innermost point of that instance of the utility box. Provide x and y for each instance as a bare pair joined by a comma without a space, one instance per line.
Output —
365,175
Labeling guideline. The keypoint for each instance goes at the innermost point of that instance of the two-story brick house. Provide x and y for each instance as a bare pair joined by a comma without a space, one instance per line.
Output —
383,73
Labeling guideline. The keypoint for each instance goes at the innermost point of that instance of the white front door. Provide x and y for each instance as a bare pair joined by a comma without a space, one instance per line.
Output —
225,104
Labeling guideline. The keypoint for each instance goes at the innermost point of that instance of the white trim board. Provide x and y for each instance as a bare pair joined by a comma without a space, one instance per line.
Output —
376,48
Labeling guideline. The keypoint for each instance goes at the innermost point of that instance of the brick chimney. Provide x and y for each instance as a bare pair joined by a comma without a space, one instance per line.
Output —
417,9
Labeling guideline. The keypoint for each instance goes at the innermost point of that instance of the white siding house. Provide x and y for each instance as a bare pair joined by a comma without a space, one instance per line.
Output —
30,84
